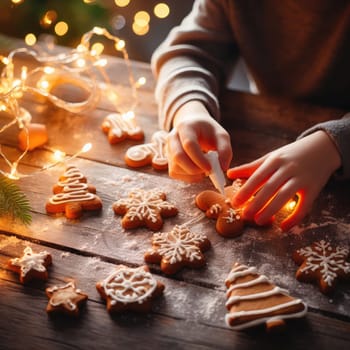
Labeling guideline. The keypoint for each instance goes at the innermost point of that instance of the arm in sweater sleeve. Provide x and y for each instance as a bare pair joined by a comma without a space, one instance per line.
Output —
192,61
339,132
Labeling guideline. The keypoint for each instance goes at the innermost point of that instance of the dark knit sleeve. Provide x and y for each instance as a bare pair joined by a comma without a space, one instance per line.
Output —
339,131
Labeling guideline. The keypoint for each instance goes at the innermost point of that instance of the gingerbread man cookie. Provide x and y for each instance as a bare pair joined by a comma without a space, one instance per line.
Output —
31,265
129,288
144,208
253,300
229,221
72,195
65,299
323,264
149,153
178,248
119,127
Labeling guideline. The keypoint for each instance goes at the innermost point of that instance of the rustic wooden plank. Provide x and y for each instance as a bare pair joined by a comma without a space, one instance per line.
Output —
267,248
200,309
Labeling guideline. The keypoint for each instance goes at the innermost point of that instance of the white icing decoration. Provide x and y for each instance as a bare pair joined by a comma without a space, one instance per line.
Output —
144,205
119,124
242,270
30,261
178,244
323,259
73,189
129,285
156,149
215,208
67,292
232,216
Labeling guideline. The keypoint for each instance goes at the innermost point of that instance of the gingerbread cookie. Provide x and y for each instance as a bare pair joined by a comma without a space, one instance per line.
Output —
323,264
31,265
149,153
119,127
253,300
129,288
178,248
65,299
72,195
144,208
229,221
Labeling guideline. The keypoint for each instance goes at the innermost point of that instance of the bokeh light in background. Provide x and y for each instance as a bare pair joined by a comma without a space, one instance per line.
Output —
143,24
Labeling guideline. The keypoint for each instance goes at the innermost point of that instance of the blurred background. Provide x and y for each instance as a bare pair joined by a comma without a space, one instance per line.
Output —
143,24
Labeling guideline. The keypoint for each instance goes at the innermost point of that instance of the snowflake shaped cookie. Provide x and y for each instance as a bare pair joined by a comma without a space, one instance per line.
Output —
144,208
229,221
178,248
66,299
129,288
31,265
322,263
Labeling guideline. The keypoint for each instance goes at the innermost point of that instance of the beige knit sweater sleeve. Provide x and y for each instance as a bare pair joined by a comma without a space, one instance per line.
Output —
192,62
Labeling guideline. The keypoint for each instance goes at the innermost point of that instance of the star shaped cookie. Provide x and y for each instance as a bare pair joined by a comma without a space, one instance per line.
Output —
66,299
31,265
323,264
144,208
130,289
178,248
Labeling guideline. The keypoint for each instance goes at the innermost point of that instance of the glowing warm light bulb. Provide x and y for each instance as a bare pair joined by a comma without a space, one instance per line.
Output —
17,2
119,45
98,30
140,82
142,18
81,63
48,18
140,30
30,39
24,73
61,28
161,10
49,70
43,84
97,49
59,156
122,3
130,115
102,62
291,204
86,148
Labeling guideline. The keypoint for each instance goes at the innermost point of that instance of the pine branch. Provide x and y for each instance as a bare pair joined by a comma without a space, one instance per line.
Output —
13,202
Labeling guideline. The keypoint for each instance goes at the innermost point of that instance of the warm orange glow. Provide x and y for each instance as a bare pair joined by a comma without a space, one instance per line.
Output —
142,18
120,45
161,10
140,30
61,28
97,49
17,2
30,39
59,156
48,18
122,3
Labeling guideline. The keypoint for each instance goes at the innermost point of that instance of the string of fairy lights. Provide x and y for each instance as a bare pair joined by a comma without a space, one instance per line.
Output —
77,66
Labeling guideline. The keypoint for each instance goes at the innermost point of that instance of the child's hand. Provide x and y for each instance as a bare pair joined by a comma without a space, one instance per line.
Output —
302,167
195,132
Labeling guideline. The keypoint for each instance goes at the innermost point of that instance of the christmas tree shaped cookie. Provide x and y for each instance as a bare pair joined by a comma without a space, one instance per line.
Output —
252,300
72,195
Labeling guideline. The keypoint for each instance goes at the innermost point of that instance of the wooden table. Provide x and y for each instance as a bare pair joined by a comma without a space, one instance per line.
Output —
191,313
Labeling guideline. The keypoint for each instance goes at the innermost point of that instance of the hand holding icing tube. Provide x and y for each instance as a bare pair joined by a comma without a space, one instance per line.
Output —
216,174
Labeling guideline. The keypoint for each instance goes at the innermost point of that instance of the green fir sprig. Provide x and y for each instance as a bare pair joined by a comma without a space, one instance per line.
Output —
13,201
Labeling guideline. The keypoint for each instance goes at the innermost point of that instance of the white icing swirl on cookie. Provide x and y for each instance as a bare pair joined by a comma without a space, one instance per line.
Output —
129,285
73,189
